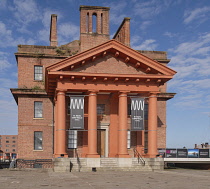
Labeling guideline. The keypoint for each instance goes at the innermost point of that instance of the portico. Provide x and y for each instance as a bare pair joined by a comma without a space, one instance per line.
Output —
65,78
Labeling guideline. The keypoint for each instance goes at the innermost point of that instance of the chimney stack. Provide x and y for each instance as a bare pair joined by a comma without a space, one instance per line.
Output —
53,30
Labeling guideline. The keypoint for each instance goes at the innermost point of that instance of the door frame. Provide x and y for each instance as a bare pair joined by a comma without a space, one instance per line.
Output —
105,126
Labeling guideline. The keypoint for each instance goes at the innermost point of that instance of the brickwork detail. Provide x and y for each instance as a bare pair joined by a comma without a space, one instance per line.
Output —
103,63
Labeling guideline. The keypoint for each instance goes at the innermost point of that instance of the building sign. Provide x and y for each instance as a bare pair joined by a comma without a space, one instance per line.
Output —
77,112
171,153
203,153
182,153
137,114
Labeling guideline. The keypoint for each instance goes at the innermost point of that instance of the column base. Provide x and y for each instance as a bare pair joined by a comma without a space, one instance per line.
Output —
93,156
60,155
124,156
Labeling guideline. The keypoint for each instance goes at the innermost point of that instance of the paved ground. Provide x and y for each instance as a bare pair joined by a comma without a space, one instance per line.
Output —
168,179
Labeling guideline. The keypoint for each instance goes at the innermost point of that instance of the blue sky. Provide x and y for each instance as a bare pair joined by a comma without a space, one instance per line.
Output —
180,27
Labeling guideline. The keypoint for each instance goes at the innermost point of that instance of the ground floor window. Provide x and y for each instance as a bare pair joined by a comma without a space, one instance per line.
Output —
38,140
72,139
129,139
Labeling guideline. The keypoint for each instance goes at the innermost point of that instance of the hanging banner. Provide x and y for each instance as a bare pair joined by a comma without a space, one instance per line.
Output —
137,114
77,112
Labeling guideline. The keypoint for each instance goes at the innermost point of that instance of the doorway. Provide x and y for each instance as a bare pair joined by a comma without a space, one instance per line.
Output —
101,139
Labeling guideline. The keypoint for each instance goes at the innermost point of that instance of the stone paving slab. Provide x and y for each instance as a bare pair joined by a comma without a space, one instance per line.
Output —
167,179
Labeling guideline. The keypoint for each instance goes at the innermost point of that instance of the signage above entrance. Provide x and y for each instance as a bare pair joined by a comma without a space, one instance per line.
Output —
77,112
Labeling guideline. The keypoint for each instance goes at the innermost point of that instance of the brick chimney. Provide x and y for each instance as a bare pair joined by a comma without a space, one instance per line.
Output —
53,30
123,33
94,26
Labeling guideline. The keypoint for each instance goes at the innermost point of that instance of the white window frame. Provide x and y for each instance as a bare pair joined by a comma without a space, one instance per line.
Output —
38,109
38,73
72,139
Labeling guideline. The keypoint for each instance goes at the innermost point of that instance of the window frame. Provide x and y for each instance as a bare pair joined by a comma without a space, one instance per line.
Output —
38,73
36,109
36,142
128,139
72,139
102,110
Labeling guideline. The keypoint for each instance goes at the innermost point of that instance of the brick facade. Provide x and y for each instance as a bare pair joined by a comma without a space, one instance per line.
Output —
45,90
8,147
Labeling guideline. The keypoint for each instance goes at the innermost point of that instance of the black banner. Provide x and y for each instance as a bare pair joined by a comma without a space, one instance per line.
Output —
77,112
203,153
171,153
182,153
137,114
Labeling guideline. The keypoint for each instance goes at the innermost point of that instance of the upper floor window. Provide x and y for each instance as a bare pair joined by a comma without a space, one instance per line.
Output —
7,141
7,137
100,109
38,110
38,73
13,137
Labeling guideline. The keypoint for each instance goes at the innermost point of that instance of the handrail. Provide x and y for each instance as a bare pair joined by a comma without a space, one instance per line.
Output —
78,160
140,158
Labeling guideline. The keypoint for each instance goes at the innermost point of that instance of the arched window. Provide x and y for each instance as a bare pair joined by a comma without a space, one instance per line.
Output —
94,22
87,22
101,22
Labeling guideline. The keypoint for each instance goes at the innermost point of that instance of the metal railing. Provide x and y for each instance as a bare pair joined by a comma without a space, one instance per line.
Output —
138,155
78,160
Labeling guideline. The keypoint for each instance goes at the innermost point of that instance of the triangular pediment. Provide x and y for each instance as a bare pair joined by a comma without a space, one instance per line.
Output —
111,57
108,65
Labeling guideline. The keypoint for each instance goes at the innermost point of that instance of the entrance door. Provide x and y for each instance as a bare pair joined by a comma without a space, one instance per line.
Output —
101,142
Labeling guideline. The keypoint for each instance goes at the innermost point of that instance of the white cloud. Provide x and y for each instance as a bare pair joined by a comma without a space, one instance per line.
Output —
169,34
191,61
135,40
149,44
4,63
68,32
3,4
198,14
149,9
145,25
26,11
116,12
7,39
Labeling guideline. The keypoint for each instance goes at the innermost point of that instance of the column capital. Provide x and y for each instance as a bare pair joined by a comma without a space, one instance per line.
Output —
92,92
61,90
123,93
153,94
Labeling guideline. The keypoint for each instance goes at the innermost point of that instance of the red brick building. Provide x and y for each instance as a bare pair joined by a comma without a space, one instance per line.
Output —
8,147
107,73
